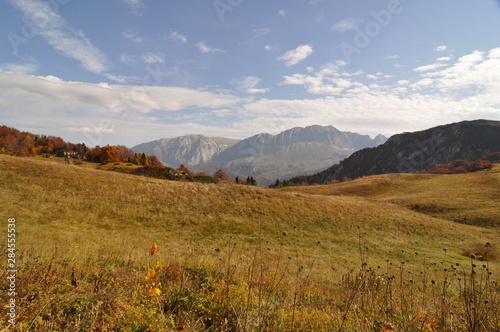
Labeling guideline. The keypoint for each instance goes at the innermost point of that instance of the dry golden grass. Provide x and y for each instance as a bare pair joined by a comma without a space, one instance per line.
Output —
237,257
471,198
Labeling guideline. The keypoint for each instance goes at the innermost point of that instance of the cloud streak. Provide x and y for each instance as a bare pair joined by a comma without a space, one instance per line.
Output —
346,25
64,40
205,48
297,55
249,84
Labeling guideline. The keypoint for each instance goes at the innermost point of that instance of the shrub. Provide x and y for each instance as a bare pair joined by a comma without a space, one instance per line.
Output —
481,252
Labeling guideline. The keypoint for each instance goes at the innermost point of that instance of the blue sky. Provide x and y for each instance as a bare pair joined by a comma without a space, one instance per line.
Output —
129,71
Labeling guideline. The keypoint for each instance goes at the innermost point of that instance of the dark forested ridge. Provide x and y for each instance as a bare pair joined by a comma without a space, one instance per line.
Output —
419,151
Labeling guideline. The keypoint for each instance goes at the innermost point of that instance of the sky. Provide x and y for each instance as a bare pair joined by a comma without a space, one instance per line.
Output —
131,71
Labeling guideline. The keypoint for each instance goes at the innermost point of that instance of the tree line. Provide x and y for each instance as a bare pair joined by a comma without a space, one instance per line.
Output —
22,143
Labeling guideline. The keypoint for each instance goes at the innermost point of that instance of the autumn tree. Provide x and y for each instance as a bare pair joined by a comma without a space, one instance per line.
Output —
221,175
154,161
110,154
183,169
80,148
95,153
125,153
15,142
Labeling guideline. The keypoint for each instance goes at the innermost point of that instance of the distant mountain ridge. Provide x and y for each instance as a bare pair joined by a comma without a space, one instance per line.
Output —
264,156
412,152
189,150
328,137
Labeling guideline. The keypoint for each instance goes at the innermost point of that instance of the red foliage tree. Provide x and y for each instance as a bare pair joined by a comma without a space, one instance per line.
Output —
183,169
221,175
154,161
13,141
95,153
110,154
125,153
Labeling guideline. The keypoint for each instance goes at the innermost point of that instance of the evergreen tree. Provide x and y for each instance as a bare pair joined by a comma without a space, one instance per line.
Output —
144,159
251,181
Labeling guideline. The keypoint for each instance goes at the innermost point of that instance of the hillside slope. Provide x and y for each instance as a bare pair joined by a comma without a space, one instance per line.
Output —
411,152
83,202
470,198
232,258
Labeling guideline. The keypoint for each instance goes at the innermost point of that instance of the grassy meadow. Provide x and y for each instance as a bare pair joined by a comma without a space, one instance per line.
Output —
106,251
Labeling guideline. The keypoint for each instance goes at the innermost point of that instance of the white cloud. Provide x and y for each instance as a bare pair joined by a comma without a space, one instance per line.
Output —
16,68
297,55
65,40
249,84
434,66
282,12
476,74
175,35
444,58
135,5
268,48
152,58
129,34
391,57
60,106
54,94
466,89
94,130
372,77
346,25
327,81
441,48
128,59
204,48
122,78
259,33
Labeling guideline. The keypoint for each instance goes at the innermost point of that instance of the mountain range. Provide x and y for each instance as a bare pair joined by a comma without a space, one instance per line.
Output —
263,156
417,151
314,149
189,150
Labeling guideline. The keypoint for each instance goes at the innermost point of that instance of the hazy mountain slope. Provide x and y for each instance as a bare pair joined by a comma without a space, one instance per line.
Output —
320,137
411,152
189,150
292,152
